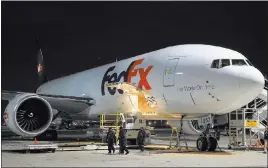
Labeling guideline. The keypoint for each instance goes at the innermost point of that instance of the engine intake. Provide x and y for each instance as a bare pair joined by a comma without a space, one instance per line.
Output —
28,115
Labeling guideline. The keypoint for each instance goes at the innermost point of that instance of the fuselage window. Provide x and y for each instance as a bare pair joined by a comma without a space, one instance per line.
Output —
215,64
225,62
249,63
239,62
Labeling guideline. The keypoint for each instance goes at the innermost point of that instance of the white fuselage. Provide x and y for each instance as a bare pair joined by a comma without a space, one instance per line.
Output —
180,78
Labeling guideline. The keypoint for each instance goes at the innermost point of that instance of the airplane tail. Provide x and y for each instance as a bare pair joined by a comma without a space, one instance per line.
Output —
42,76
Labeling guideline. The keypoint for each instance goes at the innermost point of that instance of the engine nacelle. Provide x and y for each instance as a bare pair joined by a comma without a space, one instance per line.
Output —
28,115
190,127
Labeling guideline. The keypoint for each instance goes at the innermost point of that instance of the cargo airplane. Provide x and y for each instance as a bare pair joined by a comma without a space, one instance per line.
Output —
177,83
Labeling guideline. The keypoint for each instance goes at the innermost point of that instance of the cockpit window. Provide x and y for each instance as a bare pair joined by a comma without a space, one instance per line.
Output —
249,63
215,64
239,62
225,62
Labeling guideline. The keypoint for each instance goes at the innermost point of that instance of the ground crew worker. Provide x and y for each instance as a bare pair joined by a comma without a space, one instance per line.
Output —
111,139
265,137
141,138
122,141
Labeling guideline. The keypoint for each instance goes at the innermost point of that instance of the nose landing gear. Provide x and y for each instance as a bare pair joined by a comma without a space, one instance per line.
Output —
208,140
204,143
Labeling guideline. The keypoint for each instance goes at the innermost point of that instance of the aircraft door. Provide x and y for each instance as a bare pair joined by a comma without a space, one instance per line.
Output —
169,72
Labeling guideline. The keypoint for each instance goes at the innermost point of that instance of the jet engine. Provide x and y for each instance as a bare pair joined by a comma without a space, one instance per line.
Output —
28,115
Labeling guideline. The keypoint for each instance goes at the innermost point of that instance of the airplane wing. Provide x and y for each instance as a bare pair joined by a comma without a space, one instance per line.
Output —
9,95
58,102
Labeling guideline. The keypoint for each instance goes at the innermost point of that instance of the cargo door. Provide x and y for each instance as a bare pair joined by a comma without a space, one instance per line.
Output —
169,72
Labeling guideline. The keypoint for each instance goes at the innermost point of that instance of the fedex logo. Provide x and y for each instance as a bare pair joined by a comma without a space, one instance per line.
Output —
127,75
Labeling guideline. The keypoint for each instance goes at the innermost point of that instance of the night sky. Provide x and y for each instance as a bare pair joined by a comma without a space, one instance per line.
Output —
76,36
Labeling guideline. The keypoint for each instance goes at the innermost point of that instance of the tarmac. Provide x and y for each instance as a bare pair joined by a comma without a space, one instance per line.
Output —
134,159
148,158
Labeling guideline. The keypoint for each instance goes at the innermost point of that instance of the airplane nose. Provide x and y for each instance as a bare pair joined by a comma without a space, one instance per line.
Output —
251,82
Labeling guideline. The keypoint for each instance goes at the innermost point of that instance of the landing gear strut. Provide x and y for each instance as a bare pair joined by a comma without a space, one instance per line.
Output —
208,140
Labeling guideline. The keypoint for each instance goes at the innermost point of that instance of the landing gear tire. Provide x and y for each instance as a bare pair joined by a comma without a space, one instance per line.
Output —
212,145
202,144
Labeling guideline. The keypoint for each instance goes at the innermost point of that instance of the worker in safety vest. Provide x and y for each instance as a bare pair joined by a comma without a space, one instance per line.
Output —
122,141
141,138
111,140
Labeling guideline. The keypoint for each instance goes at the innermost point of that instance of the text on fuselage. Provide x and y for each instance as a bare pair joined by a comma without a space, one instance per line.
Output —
127,76
196,88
